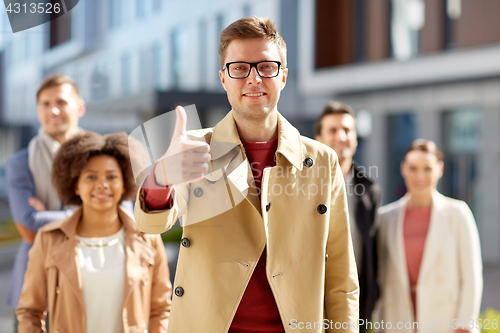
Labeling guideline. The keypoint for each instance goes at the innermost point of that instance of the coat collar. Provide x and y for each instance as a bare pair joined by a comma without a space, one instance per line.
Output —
138,254
432,242
289,141
68,225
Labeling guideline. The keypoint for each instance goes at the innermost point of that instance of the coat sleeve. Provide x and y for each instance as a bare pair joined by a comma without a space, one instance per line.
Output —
21,187
159,221
32,306
161,291
341,277
470,263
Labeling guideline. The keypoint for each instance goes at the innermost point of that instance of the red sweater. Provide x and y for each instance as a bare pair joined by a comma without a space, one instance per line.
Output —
257,311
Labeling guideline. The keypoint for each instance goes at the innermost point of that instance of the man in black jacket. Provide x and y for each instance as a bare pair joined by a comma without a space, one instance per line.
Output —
336,127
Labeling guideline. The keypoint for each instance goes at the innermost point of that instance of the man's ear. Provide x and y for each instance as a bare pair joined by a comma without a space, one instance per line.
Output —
222,79
82,107
283,80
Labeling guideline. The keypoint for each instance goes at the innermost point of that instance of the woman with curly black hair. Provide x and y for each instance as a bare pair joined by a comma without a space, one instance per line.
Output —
95,271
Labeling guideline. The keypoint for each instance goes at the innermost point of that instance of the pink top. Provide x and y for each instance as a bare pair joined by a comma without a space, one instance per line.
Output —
416,225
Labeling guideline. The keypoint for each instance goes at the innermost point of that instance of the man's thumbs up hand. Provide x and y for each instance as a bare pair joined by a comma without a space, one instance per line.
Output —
185,160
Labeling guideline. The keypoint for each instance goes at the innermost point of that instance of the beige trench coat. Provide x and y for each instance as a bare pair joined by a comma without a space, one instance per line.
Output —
53,277
301,220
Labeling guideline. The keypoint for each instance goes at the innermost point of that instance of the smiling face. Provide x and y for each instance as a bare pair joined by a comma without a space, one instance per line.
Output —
253,98
421,172
59,109
100,184
338,131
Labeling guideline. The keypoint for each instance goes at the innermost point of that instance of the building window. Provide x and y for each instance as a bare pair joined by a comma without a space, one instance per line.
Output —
140,8
203,53
462,144
401,133
220,27
408,18
157,6
125,73
99,82
60,30
179,65
146,68
157,65
247,10
115,9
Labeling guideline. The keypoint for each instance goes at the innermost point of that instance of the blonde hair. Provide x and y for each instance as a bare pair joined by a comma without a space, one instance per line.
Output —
251,27
55,81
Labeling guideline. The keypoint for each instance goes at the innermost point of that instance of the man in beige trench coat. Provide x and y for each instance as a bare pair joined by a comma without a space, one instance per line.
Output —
266,244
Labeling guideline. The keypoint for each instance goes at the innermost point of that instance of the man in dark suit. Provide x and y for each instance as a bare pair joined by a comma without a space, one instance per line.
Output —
336,127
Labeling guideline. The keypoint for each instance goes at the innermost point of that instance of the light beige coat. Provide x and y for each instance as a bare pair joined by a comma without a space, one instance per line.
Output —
310,261
53,281
450,279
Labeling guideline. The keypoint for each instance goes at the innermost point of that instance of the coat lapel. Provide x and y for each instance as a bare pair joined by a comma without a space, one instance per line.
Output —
225,132
396,241
436,231
138,255
65,255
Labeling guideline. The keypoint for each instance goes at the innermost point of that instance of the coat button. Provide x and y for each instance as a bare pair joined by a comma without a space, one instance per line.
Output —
179,291
308,162
185,242
326,257
268,206
58,290
198,192
322,209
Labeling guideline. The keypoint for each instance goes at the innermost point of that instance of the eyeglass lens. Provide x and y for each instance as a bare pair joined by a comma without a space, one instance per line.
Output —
264,69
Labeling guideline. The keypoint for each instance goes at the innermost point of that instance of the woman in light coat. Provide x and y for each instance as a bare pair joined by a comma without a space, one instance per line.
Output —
94,271
430,266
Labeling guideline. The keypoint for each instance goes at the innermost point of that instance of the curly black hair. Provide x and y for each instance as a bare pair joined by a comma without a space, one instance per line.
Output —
74,154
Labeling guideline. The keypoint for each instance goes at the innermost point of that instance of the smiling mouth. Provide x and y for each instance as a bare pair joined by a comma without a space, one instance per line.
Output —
102,197
255,95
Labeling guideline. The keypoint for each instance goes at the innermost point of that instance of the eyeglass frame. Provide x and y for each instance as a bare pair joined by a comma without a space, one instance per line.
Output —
252,65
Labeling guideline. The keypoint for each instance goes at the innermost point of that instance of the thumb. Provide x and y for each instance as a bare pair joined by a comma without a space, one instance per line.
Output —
180,122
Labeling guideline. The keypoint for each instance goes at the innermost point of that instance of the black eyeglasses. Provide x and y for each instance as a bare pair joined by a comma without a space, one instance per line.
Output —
241,70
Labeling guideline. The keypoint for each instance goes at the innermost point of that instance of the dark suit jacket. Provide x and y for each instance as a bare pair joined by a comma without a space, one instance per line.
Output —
367,203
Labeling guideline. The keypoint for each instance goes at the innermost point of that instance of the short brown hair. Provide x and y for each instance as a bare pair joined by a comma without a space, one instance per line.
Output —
74,154
427,146
251,27
334,107
55,81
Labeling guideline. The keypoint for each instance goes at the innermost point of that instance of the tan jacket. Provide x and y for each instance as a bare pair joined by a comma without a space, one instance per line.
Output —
450,282
301,219
53,281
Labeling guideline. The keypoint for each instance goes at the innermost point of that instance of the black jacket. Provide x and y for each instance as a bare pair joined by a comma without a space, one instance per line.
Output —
367,197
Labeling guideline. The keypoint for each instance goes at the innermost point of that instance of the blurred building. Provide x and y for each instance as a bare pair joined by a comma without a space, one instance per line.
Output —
414,68
411,68
132,59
